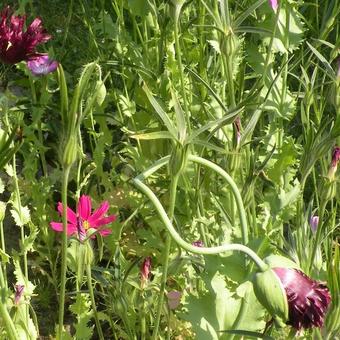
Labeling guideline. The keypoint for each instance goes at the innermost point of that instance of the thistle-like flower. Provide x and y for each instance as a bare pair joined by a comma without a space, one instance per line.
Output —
19,291
16,44
308,299
42,65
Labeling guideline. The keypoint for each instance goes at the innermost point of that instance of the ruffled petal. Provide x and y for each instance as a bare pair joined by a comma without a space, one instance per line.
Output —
104,221
98,213
71,228
71,215
84,207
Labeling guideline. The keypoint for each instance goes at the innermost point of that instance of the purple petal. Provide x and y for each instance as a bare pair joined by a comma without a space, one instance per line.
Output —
98,213
103,221
42,65
71,215
71,228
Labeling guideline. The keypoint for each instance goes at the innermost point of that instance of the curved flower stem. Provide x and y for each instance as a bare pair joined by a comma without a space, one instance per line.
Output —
187,246
243,220
93,301
6,319
236,192
63,252
166,253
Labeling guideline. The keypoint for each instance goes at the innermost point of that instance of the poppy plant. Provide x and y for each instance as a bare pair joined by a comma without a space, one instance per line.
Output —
16,44
308,299
42,65
80,222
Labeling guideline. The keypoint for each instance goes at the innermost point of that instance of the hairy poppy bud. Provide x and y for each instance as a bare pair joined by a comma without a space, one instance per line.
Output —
71,152
178,159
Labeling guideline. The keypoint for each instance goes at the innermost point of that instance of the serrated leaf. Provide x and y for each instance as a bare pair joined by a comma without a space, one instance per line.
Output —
215,45
21,217
127,106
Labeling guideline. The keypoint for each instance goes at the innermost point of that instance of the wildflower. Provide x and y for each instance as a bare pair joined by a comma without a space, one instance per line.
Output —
334,162
145,270
80,222
174,299
308,300
198,243
19,290
42,65
15,43
314,222
274,4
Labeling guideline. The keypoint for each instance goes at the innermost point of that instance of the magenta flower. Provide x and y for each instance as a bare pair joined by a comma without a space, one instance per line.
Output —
314,222
274,4
15,43
334,162
145,270
308,300
80,222
42,65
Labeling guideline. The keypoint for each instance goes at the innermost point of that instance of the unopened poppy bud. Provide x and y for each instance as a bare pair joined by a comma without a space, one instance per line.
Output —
145,270
71,152
334,163
178,159
19,291
314,222
230,44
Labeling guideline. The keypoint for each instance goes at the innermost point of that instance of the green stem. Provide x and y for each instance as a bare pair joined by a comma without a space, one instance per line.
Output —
3,248
166,253
317,236
180,66
187,246
93,301
243,217
63,252
6,319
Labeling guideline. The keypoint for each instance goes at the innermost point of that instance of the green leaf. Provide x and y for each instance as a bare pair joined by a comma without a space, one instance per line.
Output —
153,135
161,113
4,257
21,215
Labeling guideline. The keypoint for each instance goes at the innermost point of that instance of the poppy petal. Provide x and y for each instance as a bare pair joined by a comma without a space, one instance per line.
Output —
71,228
98,213
84,207
104,221
71,215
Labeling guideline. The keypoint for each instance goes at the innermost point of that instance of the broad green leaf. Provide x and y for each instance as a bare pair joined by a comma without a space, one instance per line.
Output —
21,215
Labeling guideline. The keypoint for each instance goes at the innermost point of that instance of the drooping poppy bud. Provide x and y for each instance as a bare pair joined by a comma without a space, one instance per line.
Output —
307,299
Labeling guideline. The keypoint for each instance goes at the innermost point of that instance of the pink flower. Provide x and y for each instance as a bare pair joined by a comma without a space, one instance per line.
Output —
145,270
274,4
308,300
15,43
80,222
42,65
198,243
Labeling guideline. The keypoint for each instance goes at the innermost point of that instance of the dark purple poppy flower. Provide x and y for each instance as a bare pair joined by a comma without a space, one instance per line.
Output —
42,65
308,300
145,270
15,43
